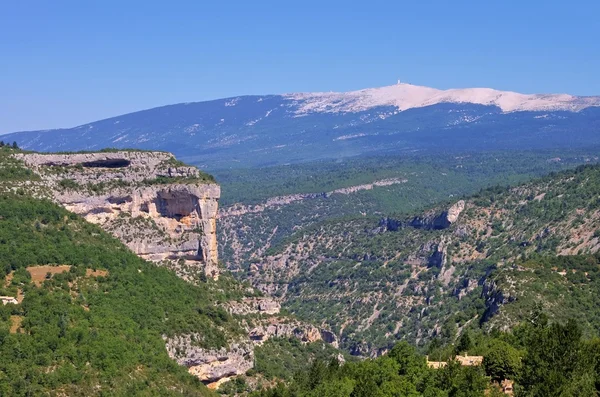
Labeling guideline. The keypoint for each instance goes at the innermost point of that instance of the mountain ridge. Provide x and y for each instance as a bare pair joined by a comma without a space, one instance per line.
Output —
407,96
251,131
433,96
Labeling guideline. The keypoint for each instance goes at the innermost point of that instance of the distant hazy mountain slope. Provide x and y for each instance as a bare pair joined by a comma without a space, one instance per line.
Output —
277,129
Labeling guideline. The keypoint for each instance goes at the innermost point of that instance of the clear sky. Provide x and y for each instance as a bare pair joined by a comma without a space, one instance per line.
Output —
65,63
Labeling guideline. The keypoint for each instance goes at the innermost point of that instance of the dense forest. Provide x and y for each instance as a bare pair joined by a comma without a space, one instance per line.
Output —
542,359
83,335
93,322
431,177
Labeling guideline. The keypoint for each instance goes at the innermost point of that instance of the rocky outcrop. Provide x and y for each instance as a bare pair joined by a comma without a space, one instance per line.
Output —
438,257
365,349
494,297
262,305
302,331
428,221
210,365
162,210
465,287
390,224
454,211
440,221
127,166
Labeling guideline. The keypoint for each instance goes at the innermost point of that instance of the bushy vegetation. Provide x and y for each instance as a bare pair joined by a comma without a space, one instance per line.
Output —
543,359
11,169
431,178
281,358
524,245
103,335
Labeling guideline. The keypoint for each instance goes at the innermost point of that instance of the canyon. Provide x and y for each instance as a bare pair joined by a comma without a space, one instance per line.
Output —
166,212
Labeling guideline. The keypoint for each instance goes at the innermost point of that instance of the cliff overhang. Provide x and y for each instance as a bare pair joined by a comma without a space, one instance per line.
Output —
162,209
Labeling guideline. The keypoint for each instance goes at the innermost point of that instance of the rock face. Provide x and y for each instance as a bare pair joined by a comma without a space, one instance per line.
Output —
441,221
302,331
438,257
160,208
454,211
429,221
211,365
494,297
263,305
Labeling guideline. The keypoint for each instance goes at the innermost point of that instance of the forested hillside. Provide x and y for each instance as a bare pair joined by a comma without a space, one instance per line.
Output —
377,280
89,316
86,316
538,359
435,176
84,335
272,203
83,315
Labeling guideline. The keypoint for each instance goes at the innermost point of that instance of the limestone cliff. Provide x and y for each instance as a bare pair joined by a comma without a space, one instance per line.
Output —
210,365
160,208
166,212
429,221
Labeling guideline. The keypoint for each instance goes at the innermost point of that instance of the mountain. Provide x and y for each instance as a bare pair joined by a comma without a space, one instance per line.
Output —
261,207
82,314
281,129
487,261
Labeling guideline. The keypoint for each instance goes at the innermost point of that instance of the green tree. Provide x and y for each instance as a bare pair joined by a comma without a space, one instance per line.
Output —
336,388
553,355
371,375
459,381
410,363
502,361
449,331
464,343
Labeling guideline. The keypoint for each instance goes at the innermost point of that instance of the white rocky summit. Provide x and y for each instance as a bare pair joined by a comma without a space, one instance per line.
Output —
407,96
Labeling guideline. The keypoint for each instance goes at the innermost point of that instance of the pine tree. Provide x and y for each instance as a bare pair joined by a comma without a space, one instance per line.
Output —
464,343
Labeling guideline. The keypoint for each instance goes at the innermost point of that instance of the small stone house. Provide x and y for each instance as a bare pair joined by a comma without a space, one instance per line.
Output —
463,360
436,364
8,299
469,360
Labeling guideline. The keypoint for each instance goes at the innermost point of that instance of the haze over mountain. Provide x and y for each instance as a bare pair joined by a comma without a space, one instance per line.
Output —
279,129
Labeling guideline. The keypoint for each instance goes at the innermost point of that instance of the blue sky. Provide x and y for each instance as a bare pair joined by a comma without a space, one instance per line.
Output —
64,63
